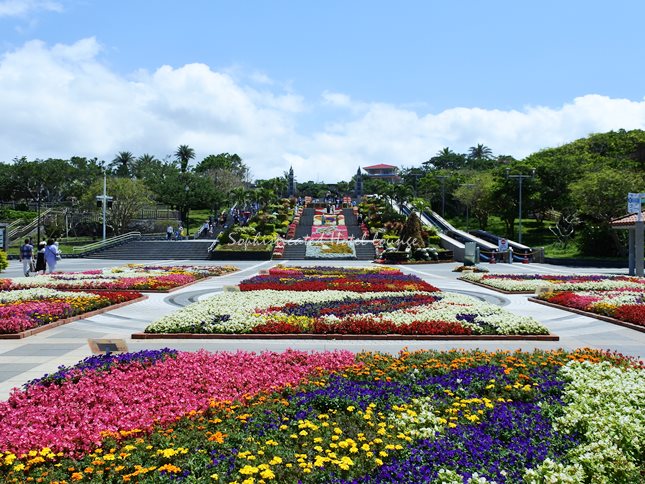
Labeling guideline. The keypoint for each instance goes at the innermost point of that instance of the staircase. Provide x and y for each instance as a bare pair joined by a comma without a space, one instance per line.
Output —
156,250
365,250
294,251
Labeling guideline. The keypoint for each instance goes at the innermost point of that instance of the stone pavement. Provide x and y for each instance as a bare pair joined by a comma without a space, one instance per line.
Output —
32,357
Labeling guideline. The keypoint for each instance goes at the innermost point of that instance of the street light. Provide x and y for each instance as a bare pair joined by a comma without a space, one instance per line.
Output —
470,186
520,177
443,194
187,189
40,194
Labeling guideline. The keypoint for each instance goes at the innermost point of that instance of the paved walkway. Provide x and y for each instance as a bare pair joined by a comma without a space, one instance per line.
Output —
32,357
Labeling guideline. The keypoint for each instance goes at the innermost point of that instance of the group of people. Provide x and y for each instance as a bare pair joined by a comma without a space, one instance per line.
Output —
178,234
44,260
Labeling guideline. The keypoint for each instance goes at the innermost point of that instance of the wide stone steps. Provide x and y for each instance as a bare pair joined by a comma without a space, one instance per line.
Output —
157,250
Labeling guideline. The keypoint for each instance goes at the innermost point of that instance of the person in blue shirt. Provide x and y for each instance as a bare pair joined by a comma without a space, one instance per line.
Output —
26,256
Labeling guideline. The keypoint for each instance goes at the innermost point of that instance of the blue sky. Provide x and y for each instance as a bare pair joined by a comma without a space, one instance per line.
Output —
323,86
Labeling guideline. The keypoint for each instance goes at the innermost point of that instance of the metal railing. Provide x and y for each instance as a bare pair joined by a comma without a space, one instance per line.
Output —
22,230
102,244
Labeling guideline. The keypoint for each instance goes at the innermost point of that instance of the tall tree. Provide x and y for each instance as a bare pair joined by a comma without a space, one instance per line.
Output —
122,164
446,159
480,156
184,154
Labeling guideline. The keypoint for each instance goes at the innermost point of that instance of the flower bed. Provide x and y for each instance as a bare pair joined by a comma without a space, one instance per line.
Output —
330,250
529,283
320,279
326,312
25,309
137,277
624,305
331,417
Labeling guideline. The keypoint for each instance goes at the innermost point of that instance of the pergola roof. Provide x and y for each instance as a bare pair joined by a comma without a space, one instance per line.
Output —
625,221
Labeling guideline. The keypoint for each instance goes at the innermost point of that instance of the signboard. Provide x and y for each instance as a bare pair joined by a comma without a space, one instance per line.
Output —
470,253
502,245
3,237
107,346
634,201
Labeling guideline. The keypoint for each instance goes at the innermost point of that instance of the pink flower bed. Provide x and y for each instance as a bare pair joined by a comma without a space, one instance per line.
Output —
71,417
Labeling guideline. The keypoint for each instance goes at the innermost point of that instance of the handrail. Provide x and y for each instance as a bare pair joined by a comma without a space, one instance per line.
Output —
30,226
107,242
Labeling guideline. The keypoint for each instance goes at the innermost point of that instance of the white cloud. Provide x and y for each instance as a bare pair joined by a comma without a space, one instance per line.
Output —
21,8
60,101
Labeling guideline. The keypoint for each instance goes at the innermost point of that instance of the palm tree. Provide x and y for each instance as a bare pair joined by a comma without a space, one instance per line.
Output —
184,154
239,196
478,154
142,164
123,162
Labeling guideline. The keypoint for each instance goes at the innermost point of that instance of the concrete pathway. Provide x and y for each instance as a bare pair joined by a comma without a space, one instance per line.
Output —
32,357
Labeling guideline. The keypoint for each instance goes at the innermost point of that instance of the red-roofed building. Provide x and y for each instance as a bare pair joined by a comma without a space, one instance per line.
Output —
383,172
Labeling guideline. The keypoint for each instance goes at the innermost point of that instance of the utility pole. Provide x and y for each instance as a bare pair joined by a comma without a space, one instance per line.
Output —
520,178
104,201
443,194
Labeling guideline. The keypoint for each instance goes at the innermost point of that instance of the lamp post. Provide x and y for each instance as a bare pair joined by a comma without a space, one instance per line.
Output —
443,194
187,189
40,194
104,200
469,186
520,177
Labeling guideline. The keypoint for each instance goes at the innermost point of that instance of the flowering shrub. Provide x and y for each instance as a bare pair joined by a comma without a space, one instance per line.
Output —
422,416
21,310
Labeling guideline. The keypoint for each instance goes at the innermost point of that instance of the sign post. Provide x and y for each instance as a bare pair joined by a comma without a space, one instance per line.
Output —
634,205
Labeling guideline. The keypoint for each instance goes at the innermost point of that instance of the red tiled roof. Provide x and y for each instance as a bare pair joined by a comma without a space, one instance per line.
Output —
377,167
627,220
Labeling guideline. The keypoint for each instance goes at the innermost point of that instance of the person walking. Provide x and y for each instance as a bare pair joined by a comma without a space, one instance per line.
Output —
52,255
169,232
41,265
26,256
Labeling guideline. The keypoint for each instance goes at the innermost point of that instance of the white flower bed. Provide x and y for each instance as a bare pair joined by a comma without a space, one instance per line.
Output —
7,297
528,285
606,405
245,310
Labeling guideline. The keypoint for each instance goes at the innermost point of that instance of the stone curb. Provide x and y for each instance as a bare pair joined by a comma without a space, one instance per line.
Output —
370,337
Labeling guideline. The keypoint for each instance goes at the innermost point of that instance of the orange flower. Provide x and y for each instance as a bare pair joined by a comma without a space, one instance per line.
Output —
217,437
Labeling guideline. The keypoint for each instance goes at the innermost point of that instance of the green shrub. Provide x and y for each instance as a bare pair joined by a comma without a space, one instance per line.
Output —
4,262
396,256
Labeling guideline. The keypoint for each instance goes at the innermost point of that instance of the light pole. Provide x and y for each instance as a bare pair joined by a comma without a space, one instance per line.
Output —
40,192
104,200
443,194
187,189
469,186
520,177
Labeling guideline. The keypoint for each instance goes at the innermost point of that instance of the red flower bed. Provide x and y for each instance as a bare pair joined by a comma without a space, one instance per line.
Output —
572,300
632,313
372,326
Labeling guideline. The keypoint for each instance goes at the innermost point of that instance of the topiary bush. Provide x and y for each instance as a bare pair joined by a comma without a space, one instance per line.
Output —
4,262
